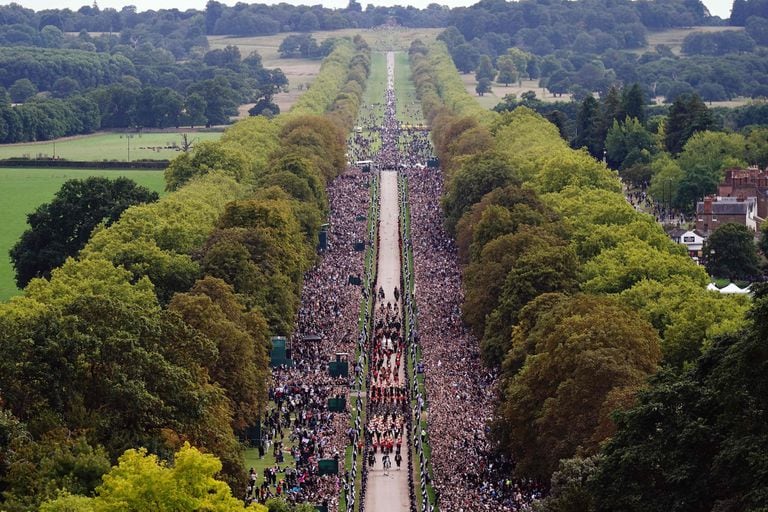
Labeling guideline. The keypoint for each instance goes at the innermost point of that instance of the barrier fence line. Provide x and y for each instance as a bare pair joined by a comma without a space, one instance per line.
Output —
418,392
354,488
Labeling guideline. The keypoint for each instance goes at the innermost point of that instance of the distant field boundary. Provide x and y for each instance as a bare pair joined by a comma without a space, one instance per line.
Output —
85,164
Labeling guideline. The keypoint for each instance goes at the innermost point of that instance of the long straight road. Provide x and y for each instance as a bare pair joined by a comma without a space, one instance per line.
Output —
387,490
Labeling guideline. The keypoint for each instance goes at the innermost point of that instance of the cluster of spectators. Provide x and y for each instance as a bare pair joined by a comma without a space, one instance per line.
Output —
664,214
299,421
468,476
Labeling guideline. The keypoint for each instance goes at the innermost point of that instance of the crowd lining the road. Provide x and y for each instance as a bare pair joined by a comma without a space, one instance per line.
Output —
468,476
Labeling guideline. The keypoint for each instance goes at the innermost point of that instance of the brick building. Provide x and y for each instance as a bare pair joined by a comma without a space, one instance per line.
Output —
714,211
751,182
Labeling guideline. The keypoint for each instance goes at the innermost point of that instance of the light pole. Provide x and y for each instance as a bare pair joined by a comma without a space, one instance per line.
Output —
129,136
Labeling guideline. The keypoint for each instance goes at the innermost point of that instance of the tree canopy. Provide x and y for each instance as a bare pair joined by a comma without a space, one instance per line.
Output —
59,229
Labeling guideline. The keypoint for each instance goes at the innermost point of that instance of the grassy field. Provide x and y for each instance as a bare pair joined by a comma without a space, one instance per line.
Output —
674,37
498,91
408,107
301,72
23,190
106,146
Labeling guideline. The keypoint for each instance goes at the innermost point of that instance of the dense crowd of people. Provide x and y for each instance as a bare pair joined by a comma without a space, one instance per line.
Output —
299,421
468,476
663,213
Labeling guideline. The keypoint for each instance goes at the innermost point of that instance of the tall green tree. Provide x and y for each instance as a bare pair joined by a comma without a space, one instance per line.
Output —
588,127
485,69
687,115
633,103
731,252
582,357
628,143
479,175
59,229
697,438
483,86
508,73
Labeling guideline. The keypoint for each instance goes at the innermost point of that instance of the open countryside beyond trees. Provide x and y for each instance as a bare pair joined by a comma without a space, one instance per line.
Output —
506,257
22,190
109,146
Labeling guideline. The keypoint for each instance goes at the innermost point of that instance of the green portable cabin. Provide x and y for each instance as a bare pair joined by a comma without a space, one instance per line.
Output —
364,165
281,352
339,367
337,404
322,238
328,467
252,435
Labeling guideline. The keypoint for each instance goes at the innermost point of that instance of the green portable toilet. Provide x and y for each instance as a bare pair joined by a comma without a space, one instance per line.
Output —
322,238
337,404
281,352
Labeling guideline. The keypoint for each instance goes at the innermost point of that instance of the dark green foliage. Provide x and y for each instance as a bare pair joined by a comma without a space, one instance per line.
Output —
697,438
44,66
483,86
479,175
589,129
718,43
59,229
633,103
21,90
730,252
60,460
485,69
687,115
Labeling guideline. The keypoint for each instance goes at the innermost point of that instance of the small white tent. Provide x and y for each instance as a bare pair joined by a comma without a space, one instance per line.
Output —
732,288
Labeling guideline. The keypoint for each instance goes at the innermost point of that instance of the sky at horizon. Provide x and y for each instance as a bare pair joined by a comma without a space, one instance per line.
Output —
720,8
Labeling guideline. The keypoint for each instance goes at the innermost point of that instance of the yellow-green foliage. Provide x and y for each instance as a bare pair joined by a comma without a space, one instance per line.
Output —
141,481
326,86
257,136
686,314
533,146
242,153
617,247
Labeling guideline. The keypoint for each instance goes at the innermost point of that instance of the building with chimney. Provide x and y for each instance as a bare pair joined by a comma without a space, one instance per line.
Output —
714,211
750,182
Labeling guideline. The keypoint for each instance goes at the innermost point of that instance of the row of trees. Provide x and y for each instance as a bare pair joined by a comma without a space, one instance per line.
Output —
543,26
114,97
305,46
575,296
677,152
178,27
158,333
715,73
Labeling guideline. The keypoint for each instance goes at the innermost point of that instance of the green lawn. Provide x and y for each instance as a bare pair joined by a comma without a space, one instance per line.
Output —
408,106
23,190
107,146
252,460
